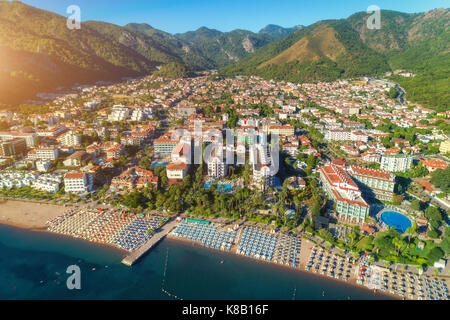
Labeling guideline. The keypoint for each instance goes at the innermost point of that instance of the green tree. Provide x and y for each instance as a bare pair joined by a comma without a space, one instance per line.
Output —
415,205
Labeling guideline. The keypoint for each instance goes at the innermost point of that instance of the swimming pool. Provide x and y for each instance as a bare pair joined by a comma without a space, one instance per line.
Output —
396,220
155,165
221,187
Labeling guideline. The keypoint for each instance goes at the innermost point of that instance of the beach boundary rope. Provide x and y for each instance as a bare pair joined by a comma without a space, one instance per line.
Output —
164,280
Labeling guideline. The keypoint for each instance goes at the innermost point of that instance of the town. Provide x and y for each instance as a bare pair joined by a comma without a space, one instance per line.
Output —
348,167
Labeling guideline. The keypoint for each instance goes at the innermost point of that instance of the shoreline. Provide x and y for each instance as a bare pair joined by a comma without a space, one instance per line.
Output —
28,221
351,282
124,253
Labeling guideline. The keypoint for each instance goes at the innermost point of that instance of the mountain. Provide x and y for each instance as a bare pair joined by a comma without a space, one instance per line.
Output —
324,51
38,52
199,34
419,43
151,43
277,31
224,48
174,70
334,49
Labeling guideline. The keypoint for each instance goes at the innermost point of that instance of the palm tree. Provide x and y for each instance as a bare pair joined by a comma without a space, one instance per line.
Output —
411,231
399,243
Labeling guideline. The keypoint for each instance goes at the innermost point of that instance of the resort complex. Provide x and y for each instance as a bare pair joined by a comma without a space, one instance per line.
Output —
299,152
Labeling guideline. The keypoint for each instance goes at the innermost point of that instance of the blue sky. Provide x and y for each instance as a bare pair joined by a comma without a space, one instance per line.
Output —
184,15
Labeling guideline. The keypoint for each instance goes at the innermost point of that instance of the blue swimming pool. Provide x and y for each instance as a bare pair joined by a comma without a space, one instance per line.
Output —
396,220
156,165
221,187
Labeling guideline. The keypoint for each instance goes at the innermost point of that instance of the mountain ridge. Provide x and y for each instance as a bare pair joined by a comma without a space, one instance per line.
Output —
38,51
417,42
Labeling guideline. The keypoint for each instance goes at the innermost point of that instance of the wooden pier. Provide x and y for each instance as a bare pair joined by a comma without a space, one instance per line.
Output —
133,257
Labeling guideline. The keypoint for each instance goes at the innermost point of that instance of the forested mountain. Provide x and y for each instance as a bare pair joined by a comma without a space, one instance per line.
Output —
224,48
39,53
153,44
335,49
326,50
419,43
277,31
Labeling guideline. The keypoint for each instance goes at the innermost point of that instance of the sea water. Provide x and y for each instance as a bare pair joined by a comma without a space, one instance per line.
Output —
33,266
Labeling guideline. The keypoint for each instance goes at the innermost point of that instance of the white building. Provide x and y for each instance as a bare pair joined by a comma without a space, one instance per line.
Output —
31,139
78,182
70,139
141,114
119,113
260,160
48,183
396,163
43,166
343,135
44,154
217,168
177,171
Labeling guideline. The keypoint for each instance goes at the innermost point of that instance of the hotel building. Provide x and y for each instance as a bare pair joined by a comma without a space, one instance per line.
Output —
396,163
375,184
350,205
13,147
217,168
164,146
286,130
78,182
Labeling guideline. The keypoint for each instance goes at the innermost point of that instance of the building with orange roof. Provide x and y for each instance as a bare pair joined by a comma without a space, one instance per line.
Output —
434,164
375,184
78,182
134,178
427,185
164,146
350,205
177,170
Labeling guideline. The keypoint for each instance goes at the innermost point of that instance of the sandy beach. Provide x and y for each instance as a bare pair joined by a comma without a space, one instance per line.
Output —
28,215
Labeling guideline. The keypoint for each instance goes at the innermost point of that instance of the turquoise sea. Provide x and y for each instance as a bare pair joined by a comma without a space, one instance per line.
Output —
33,266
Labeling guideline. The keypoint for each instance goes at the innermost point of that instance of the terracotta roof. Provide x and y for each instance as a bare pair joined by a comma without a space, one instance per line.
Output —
434,163
166,141
177,166
74,175
371,172
427,185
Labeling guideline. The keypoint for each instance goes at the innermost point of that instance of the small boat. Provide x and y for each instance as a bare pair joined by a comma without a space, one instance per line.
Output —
221,262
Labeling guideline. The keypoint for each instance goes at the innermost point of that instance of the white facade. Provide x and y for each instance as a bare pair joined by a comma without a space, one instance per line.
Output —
119,113
46,154
260,160
217,168
48,183
30,138
396,163
141,114
177,171
70,139
16,179
78,182
43,166
342,135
